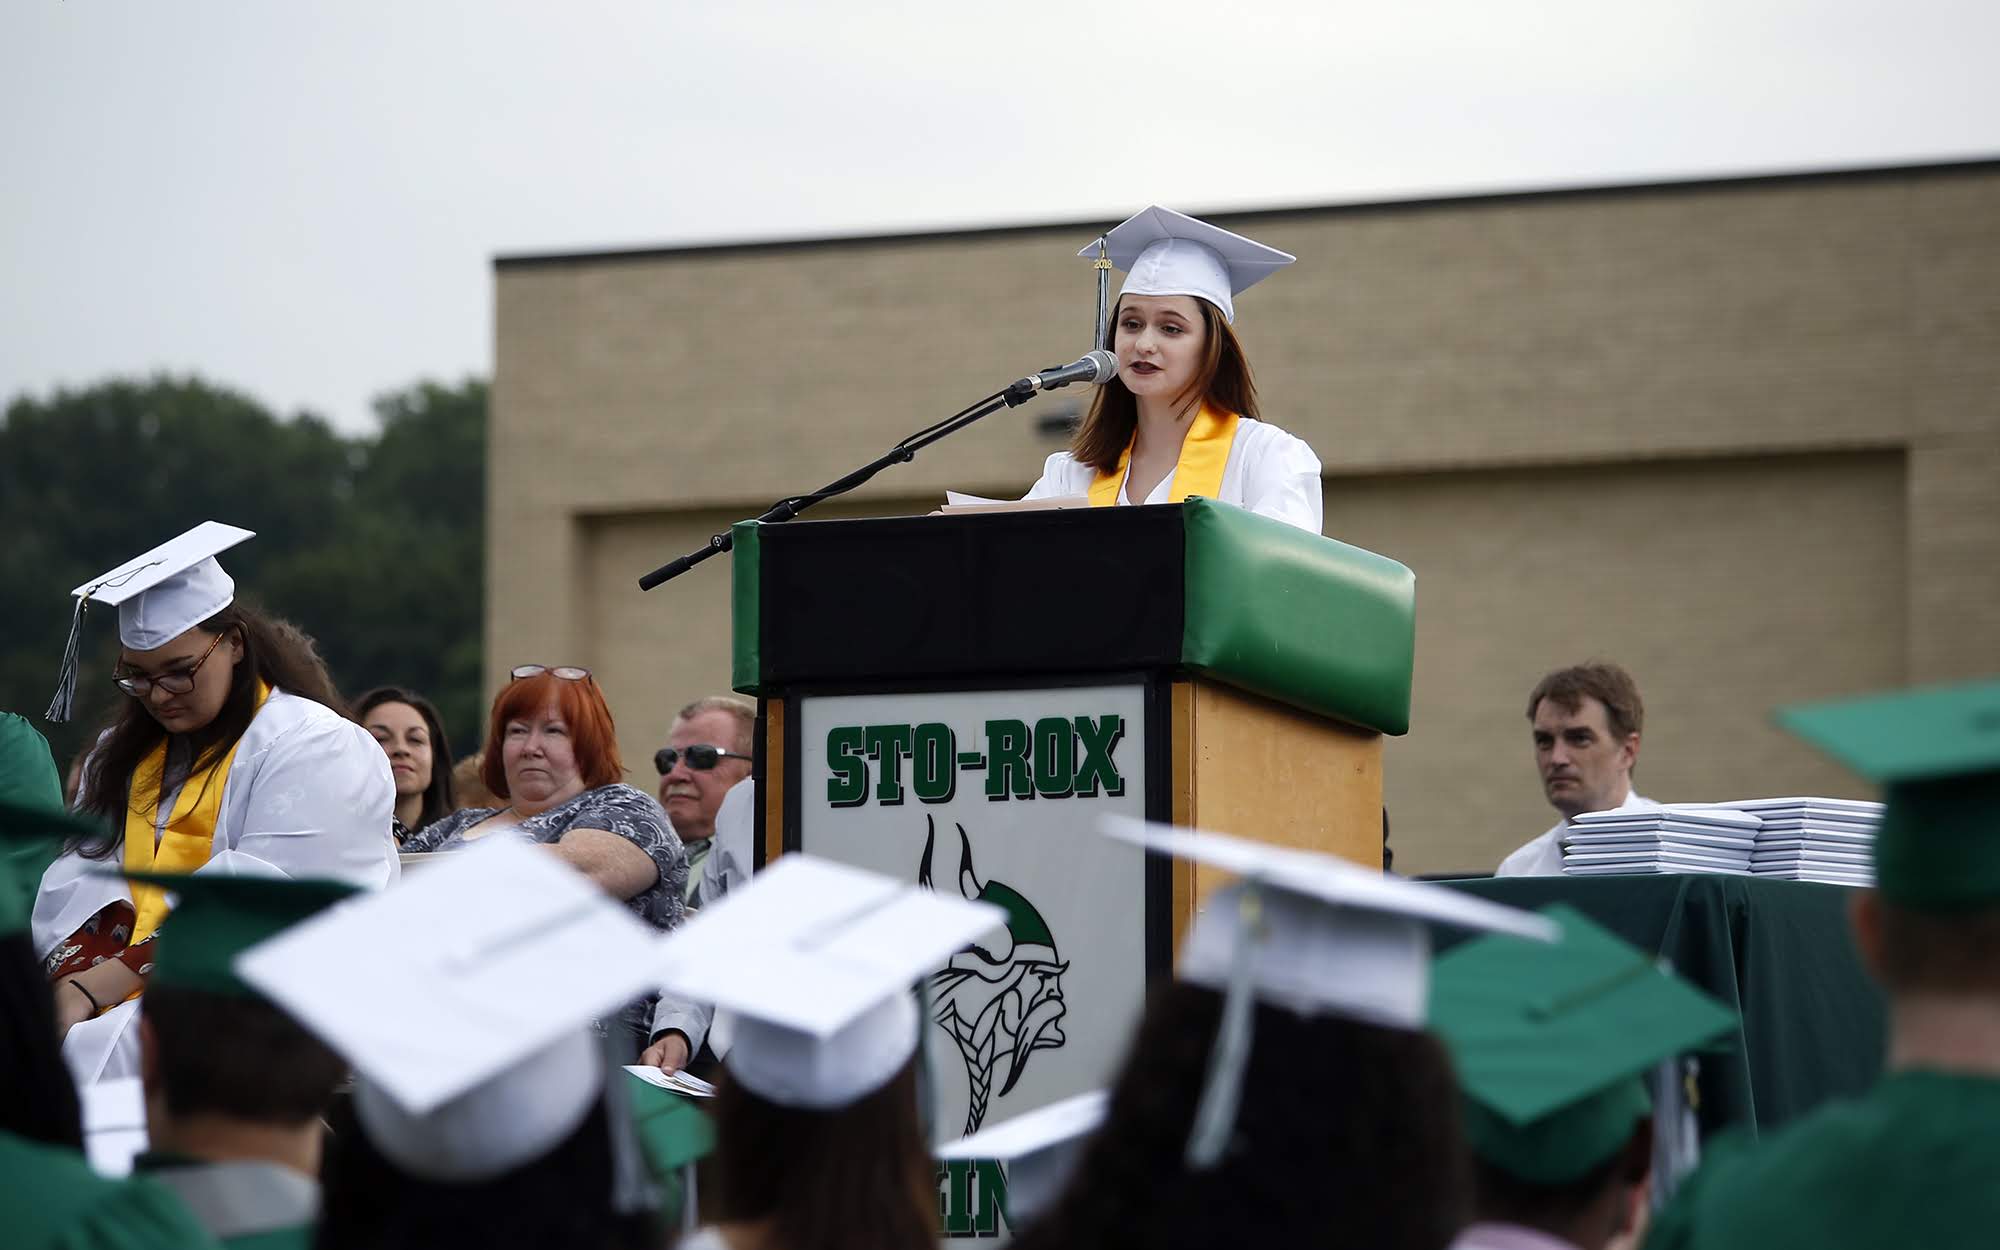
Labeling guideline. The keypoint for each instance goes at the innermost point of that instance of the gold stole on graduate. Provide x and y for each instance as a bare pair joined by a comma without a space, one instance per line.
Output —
1204,455
189,837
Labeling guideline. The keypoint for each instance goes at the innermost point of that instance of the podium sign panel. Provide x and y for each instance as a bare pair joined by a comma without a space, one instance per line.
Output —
995,795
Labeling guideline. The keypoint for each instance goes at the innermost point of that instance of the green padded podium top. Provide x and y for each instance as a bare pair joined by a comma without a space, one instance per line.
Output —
1203,587
1302,619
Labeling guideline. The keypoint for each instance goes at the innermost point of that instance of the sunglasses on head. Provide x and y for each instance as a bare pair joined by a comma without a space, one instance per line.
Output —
701,757
566,672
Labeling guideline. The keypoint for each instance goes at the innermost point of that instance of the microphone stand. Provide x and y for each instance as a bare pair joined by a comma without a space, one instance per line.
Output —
902,453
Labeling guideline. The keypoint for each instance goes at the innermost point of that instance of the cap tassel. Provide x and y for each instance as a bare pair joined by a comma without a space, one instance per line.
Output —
1215,1117
64,703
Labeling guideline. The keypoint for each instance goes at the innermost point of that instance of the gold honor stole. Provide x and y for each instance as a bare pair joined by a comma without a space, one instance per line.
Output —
189,837
1204,455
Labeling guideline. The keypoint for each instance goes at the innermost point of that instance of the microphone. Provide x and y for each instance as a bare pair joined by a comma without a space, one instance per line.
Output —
1096,368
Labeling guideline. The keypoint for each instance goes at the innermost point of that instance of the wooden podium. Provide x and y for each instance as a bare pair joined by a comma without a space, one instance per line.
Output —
958,700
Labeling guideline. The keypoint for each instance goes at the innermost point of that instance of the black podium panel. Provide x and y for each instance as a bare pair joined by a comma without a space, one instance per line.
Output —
1064,591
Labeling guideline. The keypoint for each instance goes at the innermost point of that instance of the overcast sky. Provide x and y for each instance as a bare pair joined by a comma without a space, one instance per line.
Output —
303,199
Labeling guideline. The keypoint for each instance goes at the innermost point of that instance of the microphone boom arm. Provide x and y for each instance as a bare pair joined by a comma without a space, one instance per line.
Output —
786,509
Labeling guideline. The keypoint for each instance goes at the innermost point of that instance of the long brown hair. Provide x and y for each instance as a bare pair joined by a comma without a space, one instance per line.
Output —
1223,381
273,649
856,1178
1347,1134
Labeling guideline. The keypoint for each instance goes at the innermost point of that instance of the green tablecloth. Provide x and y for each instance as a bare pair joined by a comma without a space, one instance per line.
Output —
1778,952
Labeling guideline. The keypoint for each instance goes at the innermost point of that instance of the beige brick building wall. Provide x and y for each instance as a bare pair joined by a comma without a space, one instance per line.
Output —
1743,437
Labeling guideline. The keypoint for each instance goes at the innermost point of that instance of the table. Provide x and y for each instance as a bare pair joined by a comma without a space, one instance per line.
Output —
1777,952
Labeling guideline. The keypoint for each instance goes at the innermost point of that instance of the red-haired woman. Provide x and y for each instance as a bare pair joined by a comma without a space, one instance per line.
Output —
552,757
1181,417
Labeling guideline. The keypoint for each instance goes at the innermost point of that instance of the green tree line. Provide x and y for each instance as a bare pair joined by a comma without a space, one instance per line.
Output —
374,545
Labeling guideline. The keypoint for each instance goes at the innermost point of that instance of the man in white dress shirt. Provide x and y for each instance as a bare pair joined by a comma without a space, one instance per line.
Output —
1587,720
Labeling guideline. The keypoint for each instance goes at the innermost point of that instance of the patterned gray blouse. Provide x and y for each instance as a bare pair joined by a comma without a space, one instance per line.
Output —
617,808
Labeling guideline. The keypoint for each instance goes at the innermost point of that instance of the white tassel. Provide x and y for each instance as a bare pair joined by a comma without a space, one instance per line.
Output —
1215,1116
64,703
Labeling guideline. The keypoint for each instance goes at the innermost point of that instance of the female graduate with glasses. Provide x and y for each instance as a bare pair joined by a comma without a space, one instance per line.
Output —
1181,417
227,751
552,759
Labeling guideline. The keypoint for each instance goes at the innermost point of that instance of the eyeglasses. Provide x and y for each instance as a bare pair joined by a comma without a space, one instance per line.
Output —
566,672
172,683
701,757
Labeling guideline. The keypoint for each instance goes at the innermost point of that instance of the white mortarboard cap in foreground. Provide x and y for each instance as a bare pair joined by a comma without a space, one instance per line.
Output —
1039,1148
1312,934
1167,253
816,960
463,997
159,596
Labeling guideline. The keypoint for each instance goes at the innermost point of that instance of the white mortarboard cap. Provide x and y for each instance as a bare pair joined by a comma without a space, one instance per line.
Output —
1039,1148
1332,937
1312,934
1167,253
159,596
816,960
463,997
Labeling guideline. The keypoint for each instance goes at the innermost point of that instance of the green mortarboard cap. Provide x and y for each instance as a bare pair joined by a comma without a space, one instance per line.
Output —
1552,1043
1936,754
31,835
218,916
672,1130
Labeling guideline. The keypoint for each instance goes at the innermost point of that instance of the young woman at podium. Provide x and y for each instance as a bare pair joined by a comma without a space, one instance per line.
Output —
1180,418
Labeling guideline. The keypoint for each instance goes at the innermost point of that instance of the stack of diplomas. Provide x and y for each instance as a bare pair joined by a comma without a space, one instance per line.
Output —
1812,839
1660,839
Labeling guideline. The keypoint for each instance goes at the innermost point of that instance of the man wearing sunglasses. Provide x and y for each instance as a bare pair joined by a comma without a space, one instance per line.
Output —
707,751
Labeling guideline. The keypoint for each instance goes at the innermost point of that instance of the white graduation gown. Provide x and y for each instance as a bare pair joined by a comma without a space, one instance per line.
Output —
1269,472
309,795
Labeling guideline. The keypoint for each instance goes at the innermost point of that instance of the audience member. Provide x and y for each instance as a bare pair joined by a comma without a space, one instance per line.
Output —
1283,1091
1552,1046
1586,723
1912,1161
229,749
820,1142
552,755
468,783
708,751
413,738
235,1088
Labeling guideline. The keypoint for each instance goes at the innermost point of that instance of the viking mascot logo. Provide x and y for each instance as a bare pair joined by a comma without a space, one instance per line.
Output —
999,1005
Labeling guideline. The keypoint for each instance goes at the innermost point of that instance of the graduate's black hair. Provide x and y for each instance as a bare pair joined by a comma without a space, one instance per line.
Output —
41,1103
562,1199
1347,1135
235,1056
858,1177
276,650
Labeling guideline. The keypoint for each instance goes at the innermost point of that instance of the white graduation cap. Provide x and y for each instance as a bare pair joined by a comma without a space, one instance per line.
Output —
816,960
159,596
1040,1149
1167,253
1310,933
463,997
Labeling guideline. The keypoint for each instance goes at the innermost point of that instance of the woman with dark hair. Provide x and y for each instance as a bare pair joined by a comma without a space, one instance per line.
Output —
412,736
228,749
820,1143
552,757
1283,1092
1181,416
